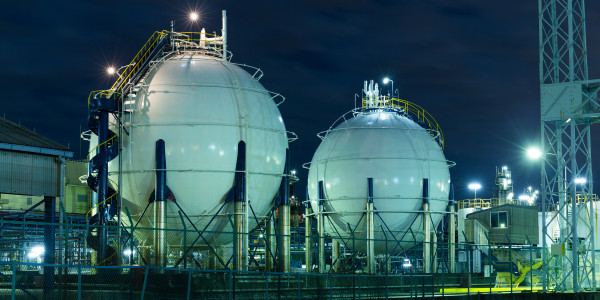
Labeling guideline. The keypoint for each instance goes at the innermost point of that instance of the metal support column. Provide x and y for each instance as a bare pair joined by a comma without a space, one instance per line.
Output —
308,239
240,251
426,229
160,206
452,237
335,256
370,229
321,229
271,240
284,218
49,238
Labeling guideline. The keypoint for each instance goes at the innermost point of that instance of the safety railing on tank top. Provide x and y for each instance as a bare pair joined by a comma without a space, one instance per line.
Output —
425,118
209,43
139,59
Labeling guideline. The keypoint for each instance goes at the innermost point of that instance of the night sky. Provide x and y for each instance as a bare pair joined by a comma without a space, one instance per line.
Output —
472,64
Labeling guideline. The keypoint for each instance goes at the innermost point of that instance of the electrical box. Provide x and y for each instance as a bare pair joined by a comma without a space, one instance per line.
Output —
557,249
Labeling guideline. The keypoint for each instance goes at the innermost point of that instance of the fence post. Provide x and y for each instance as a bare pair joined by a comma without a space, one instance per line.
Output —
267,285
78,282
189,287
230,284
14,279
299,290
144,285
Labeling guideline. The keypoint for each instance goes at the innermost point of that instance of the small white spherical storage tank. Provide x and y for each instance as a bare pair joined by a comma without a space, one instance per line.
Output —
382,142
201,106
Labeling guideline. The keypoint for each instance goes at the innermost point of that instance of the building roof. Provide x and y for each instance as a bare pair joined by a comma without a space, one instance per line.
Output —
12,135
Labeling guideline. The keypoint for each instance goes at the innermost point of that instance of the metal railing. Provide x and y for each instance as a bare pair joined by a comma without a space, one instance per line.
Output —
76,274
425,118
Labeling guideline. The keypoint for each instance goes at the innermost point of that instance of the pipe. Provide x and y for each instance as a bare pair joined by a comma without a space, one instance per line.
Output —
308,240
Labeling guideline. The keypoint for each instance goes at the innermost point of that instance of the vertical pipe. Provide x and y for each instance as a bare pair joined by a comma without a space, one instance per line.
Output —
103,188
321,229
284,218
426,229
370,229
271,242
308,240
49,237
335,256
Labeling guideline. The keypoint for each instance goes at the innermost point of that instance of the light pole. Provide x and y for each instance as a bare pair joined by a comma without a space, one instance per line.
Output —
475,187
386,80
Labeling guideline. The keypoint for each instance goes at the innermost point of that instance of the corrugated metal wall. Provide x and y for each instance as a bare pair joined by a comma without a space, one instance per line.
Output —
29,174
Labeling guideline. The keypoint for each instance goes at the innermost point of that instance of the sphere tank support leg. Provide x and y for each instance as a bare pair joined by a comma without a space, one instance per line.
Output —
160,206
370,229
321,229
308,239
284,218
240,251
452,237
426,228
271,239
335,256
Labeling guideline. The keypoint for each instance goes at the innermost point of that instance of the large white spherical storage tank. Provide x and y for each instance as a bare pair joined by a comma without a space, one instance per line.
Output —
388,146
201,106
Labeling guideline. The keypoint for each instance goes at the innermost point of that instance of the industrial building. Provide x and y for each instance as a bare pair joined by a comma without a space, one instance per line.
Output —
187,192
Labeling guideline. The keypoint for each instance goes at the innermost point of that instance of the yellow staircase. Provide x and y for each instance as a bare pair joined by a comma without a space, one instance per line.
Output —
507,279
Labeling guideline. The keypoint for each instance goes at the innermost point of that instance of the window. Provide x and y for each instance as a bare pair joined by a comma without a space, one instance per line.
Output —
82,198
499,219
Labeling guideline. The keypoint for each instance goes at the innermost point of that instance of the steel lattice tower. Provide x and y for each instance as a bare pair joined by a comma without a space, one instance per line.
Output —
569,105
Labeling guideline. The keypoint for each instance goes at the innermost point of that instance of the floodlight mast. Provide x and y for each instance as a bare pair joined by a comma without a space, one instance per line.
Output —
569,105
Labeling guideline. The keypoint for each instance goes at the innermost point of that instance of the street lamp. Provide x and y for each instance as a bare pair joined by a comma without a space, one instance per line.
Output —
194,16
475,187
111,70
386,80
534,153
